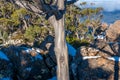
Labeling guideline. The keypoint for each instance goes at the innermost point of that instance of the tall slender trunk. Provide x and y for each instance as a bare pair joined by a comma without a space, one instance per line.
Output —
60,45
61,51
60,48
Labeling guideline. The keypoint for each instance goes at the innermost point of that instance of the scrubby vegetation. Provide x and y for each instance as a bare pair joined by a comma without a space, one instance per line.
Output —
19,23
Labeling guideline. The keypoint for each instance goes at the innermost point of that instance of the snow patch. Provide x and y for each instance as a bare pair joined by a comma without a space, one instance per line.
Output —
37,50
28,50
3,56
90,57
114,58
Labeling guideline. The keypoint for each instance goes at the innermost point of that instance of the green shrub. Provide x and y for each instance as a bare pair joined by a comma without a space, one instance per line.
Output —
76,43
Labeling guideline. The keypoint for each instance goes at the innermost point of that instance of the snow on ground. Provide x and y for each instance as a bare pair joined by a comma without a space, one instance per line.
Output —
28,50
115,58
3,56
90,57
71,50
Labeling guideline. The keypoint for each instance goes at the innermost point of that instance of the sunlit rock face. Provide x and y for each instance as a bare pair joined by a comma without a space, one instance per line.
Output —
39,63
113,31
95,64
104,26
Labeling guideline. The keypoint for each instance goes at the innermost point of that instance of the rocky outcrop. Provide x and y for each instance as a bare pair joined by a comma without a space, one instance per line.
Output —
35,63
104,26
113,31
93,64
26,64
29,63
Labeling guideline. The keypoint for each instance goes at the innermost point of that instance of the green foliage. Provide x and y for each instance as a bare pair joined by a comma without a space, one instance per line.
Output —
30,34
6,8
34,32
76,43
14,19
5,22
18,35
3,35
17,15
78,22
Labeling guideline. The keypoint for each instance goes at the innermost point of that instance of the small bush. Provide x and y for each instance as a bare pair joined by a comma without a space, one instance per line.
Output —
76,43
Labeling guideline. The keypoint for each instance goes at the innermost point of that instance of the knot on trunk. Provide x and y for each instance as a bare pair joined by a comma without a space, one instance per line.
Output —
62,59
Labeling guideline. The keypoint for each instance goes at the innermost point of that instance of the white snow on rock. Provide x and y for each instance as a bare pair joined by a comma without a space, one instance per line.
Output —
37,50
90,57
3,56
28,50
114,58
53,78
71,50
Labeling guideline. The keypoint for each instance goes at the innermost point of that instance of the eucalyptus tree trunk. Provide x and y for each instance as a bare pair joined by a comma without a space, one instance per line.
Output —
60,45
61,49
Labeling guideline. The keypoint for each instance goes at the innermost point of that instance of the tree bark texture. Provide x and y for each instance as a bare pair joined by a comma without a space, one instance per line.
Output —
60,47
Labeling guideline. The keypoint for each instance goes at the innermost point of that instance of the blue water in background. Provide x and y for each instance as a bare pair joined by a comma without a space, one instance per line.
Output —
111,17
